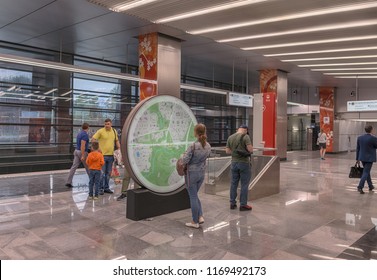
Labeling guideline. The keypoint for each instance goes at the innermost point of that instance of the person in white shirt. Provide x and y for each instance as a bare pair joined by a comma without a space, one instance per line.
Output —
322,139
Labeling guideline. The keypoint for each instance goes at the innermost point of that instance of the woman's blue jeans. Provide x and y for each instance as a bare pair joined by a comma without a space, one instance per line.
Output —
194,180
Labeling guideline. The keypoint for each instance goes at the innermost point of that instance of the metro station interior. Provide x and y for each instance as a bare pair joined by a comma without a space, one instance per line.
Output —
66,62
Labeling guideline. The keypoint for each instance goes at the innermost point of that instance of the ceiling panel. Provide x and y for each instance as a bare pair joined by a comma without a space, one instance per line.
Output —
351,19
10,13
258,11
81,27
49,19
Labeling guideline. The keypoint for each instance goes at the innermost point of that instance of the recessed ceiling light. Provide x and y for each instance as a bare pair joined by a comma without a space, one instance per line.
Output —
50,91
203,89
329,58
344,69
315,42
320,12
322,51
339,64
303,30
351,73
70,68
209,10
127,5
66,93
355,77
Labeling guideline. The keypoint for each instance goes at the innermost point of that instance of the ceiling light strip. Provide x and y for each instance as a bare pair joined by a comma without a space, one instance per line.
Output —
50,91
322,51
203,89
127,6
320,12
12,88
355,77
20,98
338,64
351,73
66,93
344,69
315,42
295,103
208,10
303,30
70,68
329,58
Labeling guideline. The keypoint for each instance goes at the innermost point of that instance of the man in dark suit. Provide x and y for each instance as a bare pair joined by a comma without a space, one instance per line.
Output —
366,153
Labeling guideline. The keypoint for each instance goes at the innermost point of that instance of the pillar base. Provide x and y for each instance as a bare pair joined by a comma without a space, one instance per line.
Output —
143,204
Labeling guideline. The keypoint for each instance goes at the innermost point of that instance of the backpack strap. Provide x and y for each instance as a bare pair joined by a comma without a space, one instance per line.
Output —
243,135
115,139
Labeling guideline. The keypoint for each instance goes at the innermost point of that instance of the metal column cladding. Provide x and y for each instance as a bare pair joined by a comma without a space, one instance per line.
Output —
169,66
281,115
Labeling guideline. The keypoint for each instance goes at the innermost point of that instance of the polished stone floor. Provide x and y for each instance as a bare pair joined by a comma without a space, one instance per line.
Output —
317,215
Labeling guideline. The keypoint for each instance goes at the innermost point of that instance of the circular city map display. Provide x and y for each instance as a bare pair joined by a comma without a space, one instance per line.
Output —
156,133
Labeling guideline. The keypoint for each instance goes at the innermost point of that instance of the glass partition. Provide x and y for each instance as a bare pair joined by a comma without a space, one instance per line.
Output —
218,172
42,109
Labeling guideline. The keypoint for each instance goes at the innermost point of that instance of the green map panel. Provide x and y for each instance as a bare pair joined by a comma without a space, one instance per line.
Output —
160,130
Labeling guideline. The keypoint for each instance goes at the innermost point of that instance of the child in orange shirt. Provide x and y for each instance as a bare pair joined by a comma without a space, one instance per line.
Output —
95,161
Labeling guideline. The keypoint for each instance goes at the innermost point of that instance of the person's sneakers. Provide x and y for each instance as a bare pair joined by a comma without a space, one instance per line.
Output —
69,185
122,196
101,192
201,220
245,208
360,190
371,188
233,206
192,225
108,191
96,197
90,197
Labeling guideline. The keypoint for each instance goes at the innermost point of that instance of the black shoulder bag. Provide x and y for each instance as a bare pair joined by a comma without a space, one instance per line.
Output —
242,150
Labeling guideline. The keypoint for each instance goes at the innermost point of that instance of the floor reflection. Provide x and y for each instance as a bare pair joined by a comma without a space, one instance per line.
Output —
317,215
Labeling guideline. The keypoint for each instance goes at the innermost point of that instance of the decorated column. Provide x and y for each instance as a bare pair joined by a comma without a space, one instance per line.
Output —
159,62
273,85
326,114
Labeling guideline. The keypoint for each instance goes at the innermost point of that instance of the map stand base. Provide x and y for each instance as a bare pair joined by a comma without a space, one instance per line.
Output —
143,204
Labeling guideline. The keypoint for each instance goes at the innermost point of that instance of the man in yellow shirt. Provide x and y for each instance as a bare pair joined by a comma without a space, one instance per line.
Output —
107,139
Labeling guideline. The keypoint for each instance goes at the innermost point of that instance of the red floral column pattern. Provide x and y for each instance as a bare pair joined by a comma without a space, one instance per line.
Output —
148,64
268,86
326,114
268,80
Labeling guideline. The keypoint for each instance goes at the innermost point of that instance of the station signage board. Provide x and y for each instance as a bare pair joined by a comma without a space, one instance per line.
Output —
239,99
365,105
